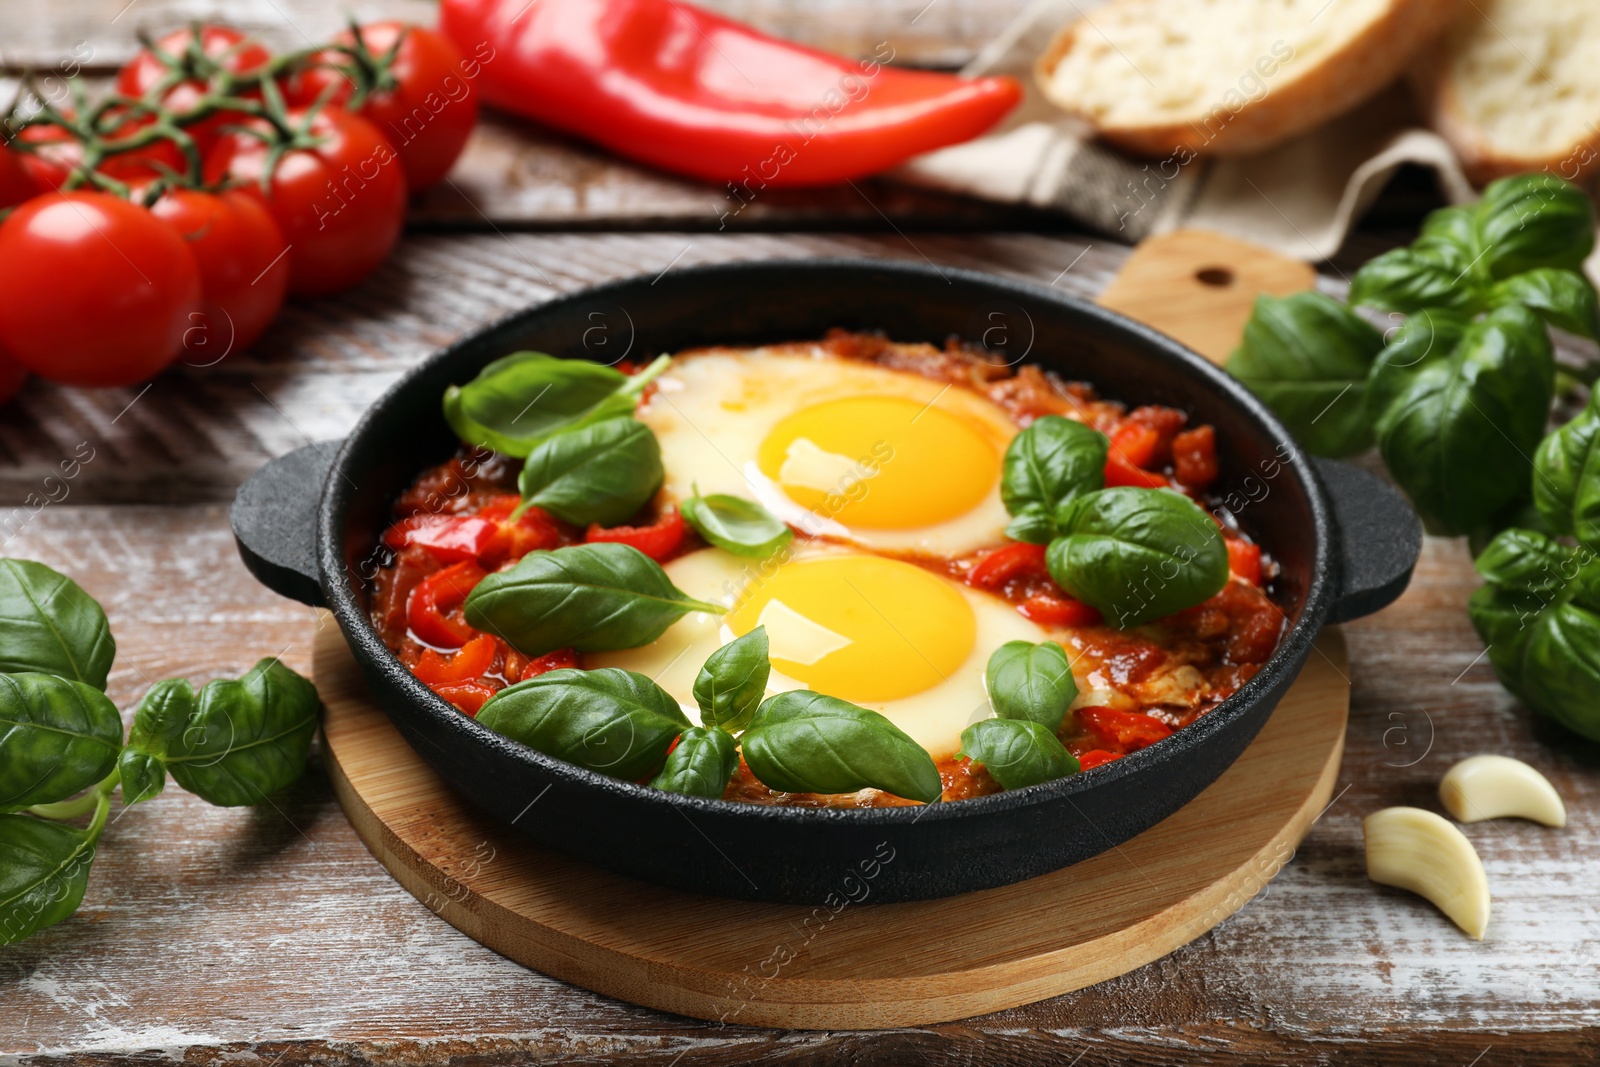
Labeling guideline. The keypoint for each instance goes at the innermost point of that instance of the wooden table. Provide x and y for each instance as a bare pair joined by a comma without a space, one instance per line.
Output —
270,935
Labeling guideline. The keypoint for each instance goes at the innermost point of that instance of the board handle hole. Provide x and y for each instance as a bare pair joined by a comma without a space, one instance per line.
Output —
1216,277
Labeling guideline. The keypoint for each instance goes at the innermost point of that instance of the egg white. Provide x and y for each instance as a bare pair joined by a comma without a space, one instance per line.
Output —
713,409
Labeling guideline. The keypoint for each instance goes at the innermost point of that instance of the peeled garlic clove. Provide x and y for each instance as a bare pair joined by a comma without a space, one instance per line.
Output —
1493,787
1417,850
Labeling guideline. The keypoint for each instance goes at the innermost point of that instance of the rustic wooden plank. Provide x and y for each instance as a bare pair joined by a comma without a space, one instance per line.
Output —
209,934
102,33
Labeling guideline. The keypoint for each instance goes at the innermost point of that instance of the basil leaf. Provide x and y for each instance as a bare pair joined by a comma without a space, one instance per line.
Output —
1459,429
1052,461
804,742
736,525
603,472
519,400
1137,554
57,737
50,625
1525,561
1017,752
733,682
1425,336
594,598
607,720
1456,225
235,743
1502,619
1307,357
1561,667
1566,476
1531,221
1029,681
1432,273
44,868
701,765
159,722
1563,298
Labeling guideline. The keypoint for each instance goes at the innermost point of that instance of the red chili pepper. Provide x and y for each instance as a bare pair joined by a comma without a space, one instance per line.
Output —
1194,457
696,93
658,540
450,538
560,659
473,661
469,697
1050,609
1122,731
1244,559
429,608
1091,760
1003,564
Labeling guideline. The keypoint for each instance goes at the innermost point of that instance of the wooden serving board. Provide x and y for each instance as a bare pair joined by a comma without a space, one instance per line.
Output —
868,966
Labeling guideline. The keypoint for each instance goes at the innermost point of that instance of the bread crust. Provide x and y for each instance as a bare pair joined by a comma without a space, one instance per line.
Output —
1294,103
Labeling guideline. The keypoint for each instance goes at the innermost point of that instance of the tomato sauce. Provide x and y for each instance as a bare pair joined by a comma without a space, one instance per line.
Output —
454,525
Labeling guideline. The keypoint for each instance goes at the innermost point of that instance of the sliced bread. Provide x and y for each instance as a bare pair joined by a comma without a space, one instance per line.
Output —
1516,87
1230,77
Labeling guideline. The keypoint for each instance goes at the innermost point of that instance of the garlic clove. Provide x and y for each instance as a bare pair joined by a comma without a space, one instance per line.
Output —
1494,787
1419,851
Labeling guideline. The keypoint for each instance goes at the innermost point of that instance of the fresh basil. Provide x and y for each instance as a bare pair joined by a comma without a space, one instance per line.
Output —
599,473
1017,752
1459,427
1562,298
1307,357
57,737
48,624
1137,554
607,720
702,763
237,742
736,525
1046,465
1566,476
1424,336
518,401
44,868
594,598
1029,681
804,742
1432,273
733,681
1531,221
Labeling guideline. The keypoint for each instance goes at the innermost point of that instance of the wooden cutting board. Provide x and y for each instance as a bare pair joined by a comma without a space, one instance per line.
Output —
871,966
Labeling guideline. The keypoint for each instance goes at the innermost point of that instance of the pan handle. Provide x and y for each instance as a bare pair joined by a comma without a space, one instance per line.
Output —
1380,539
274,517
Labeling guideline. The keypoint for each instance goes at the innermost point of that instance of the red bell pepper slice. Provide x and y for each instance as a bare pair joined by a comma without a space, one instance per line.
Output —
1096,758
1119,472
1244,559
560,659
1136,443
1122,731
431,604
473,661
1017,559
693,92
469,697
1050,609
658,540
450,538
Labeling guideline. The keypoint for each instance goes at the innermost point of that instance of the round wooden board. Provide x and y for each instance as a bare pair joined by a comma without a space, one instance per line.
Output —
865,966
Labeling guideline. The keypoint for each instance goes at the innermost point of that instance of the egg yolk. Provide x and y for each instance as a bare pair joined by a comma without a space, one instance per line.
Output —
861,628
880,462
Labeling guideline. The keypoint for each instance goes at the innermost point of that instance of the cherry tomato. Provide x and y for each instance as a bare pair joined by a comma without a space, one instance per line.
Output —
1194,457
1119,472
427,115
658,540
340,204
244,272
12,377
98,291
232,50
1244,559
60,154
16,184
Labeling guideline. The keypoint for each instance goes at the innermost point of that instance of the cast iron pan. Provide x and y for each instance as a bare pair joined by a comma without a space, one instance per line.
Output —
307,524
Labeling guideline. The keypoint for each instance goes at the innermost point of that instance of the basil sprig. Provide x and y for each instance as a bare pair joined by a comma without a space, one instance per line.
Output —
594,598
1137,554
1030,681
1047,465
733,681
1566,481
62,754
520,400
804,742
736,525
702,763
602,472
1017,752
609,720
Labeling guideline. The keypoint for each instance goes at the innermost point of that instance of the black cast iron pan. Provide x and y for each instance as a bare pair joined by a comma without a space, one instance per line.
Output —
307,524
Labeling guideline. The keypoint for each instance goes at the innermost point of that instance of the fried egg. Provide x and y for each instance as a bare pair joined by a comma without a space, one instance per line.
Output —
881,633
840,450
